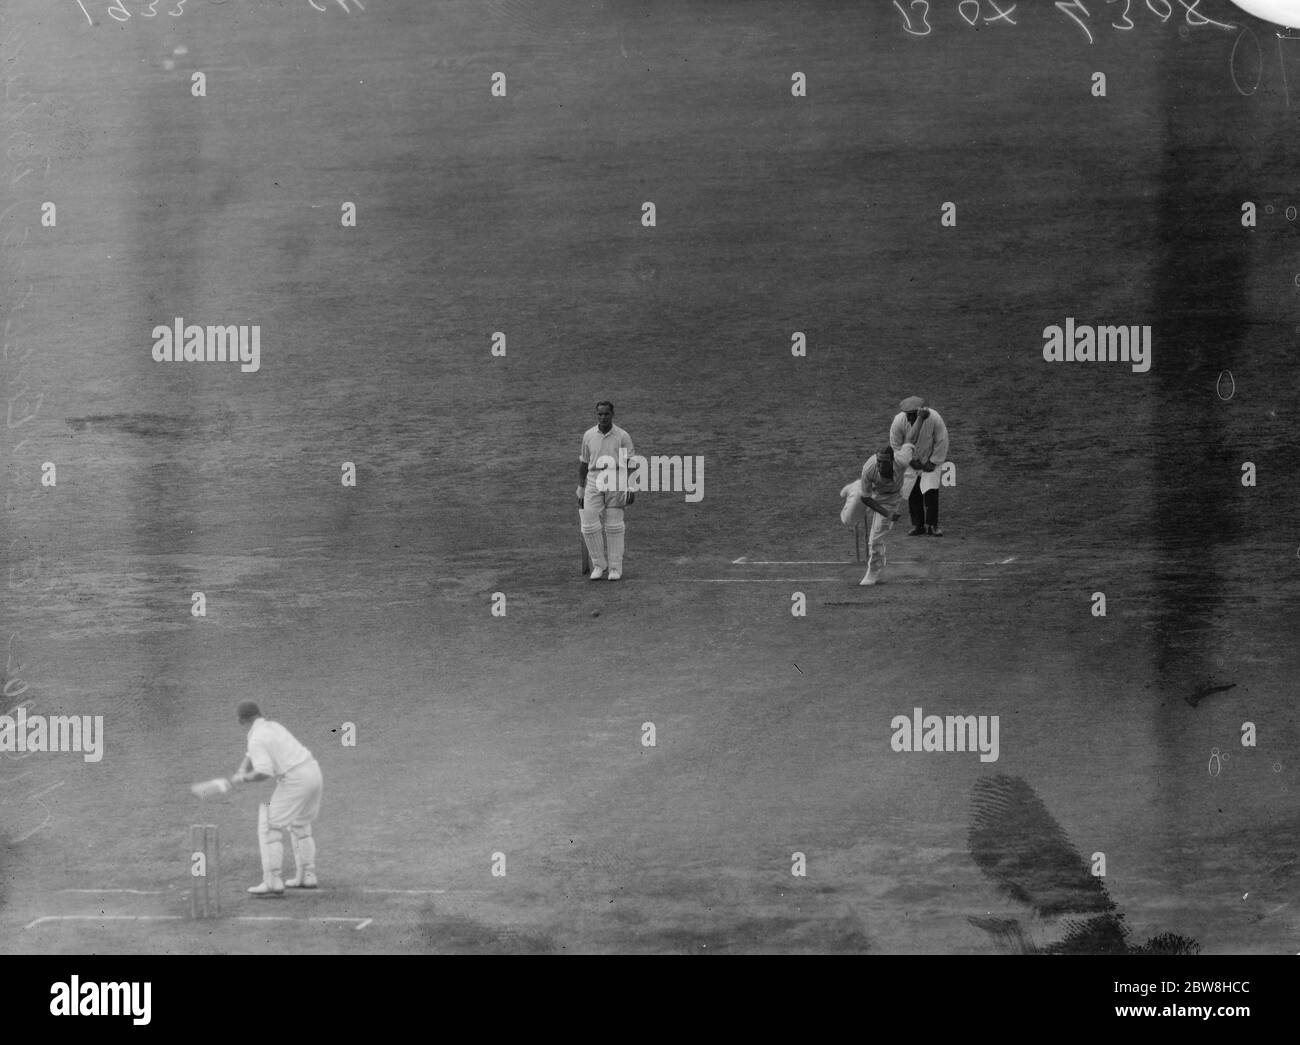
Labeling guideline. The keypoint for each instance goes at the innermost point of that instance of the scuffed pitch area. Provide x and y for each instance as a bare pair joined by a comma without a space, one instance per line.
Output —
522,735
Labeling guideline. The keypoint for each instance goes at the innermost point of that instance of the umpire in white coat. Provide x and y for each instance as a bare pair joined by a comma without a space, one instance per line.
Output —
924,429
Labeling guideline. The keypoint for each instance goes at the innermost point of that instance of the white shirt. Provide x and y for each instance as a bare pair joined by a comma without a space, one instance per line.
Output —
597,444
273,750
887,493
929,436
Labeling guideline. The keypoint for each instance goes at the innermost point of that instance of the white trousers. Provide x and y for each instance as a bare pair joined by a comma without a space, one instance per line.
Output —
603,527
880,526
297,796
877,525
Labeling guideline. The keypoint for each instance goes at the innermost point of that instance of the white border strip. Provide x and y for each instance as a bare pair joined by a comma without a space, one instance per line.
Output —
361,922
104,918
762,580
404,892
133,892
746,561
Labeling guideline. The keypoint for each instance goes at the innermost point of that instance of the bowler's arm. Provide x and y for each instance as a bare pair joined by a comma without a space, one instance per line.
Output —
880,509
868,488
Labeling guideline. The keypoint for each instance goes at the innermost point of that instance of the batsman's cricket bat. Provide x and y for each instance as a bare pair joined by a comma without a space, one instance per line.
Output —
208,788
586,559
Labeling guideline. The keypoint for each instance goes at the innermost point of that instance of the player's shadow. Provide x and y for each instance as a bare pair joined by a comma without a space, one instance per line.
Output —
1017,843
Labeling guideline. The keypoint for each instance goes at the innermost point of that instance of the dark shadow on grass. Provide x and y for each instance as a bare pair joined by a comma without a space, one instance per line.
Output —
438,932
1017,843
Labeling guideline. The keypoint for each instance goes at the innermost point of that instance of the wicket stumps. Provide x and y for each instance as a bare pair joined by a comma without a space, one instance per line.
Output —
205,871
859,542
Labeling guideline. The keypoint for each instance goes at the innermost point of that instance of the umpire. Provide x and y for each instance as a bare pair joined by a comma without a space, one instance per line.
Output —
924,429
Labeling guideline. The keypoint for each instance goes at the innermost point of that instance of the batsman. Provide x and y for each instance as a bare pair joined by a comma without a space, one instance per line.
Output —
878,493
600,503
274,752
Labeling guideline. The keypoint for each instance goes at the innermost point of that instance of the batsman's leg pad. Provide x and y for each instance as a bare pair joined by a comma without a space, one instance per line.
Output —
615,532
304,849
593,536
854,511
271,841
